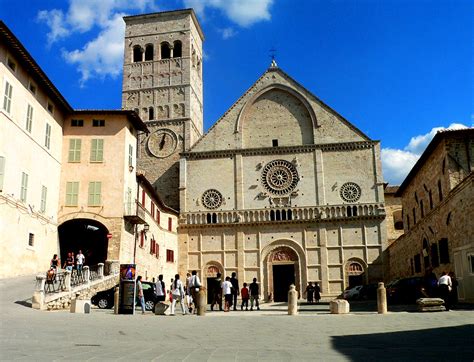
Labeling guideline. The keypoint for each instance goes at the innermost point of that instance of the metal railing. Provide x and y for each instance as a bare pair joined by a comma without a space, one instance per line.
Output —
55,282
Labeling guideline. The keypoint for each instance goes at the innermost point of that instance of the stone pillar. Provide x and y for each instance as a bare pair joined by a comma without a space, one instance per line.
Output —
112,267
67,280
201,301
100,270
37,302
116,300
87,274
292,301
381,299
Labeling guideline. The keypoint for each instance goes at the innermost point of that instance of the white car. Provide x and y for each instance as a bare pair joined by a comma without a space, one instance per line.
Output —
352,293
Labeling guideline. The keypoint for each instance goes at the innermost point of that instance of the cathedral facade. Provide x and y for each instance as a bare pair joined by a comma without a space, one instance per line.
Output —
281,188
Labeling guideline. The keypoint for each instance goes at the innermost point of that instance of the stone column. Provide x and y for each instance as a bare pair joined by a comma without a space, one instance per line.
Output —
87,274
100,270
37,302
292,301
67,280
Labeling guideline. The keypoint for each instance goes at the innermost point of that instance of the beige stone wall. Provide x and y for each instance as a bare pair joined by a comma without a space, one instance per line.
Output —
393,208
19,219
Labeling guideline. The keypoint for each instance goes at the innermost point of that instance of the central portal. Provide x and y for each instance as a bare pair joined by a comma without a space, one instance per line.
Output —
283,277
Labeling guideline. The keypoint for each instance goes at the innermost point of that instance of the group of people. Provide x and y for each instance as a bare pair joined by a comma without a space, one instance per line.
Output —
313,293
71,262
445,287
229,289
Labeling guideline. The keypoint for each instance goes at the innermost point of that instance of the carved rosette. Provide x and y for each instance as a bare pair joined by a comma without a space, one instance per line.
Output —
279,177
211,199
350,192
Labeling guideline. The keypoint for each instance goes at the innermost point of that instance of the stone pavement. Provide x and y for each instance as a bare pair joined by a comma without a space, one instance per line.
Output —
267,335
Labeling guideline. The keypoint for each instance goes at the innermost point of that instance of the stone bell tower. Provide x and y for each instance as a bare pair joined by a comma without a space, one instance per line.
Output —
162,82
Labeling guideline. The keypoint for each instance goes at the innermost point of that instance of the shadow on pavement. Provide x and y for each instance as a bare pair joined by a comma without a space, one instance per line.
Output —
24,303
425,345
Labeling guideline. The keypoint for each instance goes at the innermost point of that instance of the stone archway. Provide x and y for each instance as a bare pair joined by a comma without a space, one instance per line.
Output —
356,273
283,263
211,270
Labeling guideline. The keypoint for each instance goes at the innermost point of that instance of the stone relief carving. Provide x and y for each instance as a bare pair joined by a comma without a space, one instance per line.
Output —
283,254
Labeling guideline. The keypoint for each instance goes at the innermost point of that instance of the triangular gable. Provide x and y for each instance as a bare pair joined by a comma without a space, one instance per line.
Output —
224,133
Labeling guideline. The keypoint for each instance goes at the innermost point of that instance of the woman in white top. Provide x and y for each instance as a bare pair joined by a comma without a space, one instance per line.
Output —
178,293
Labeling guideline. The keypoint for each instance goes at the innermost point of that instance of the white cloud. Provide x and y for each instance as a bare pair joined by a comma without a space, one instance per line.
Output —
242,12
397,163
227,33
100,56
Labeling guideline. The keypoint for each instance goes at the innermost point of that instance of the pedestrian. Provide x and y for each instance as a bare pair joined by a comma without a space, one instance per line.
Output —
160,289
195,286
445,286
69,263
245,297
217,292
454,290
80,259
227,291
310,293
55,263
235,289
141,296
189,298
317,292
254,294
170,294
177,290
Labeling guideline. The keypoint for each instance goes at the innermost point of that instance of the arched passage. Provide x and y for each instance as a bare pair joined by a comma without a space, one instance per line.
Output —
355,273
89,236
211,270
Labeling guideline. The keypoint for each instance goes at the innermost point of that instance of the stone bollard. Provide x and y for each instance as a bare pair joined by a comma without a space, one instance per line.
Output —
116,300
67,280
37,302
79,305
201,302
100,270
339,306
381,299
292,300
86,274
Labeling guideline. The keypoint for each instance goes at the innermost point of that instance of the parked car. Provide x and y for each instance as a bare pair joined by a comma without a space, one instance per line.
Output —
105,299
405,290
352,293
361,292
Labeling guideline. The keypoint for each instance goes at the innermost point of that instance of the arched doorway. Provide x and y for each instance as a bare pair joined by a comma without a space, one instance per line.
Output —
211,271
355,272
282,270
89,236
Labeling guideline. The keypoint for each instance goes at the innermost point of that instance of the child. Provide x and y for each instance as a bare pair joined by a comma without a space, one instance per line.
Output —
245,297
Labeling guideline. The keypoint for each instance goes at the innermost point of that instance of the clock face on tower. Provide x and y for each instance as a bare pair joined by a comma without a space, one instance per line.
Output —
162,143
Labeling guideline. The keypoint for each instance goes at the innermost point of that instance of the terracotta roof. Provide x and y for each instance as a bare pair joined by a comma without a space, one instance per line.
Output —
16,48
144,181
391,189
132,116
441,135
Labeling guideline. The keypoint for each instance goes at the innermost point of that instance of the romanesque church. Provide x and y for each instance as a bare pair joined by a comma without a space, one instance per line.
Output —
281,187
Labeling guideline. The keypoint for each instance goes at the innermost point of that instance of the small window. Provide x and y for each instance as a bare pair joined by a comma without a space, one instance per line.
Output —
31,239
98,123
11,64
170,256
29,118
470,262
50,107
443,251
143,198
165,50
32,87
158,216
151,114
170,224
434,255
74,150
157,250
152,210
7,97
137,54
275,143
24,186
72,193
97,150
47,137
44,194
77,123
149,52
177,49
95,189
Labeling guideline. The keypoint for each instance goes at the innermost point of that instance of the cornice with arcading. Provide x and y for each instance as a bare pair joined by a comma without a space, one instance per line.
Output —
347,146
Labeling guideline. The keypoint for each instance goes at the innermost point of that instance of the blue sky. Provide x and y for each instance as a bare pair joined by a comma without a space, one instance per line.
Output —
397,69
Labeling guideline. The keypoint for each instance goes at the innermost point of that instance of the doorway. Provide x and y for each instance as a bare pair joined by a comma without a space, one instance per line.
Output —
283,277
355,280
211,286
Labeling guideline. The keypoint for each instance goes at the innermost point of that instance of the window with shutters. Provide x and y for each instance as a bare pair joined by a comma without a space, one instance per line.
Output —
74,150
170,224
72,193
95,188
44,194
24,187
47,137
170,256
7,97
29,118
97,150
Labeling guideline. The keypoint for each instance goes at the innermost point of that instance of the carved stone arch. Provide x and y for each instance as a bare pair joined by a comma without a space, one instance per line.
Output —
298,95
294,255
210,270
355,268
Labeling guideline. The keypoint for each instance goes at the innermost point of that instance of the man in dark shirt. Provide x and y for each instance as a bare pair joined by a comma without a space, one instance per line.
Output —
254,294
235,289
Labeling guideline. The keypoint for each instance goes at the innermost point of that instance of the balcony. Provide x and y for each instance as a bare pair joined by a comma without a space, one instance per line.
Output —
134,212
285,214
